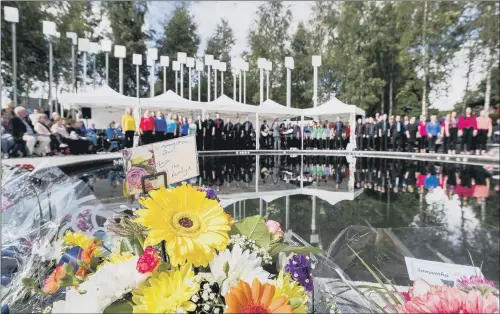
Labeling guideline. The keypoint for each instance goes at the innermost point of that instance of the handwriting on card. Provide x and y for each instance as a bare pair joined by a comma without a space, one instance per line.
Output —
178,158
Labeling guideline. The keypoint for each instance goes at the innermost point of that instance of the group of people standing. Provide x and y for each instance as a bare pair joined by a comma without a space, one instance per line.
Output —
211,134
381,133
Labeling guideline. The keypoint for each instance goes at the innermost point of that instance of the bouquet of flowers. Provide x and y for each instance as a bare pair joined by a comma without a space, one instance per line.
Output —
180,252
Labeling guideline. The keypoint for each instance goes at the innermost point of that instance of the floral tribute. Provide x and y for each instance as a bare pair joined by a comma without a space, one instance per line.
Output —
180,253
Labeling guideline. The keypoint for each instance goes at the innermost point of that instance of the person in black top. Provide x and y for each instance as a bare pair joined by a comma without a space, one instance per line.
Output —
370,133
383,128
228,135
411,135
237,134
264,135
339,129
208,132
247,132
359,131
397,131
199,133
218,130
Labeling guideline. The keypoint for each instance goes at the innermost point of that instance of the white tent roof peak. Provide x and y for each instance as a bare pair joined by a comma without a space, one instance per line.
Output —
332,108
272,109
99,97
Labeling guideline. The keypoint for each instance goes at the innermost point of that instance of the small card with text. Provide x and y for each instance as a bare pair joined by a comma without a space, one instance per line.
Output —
177,157
437,272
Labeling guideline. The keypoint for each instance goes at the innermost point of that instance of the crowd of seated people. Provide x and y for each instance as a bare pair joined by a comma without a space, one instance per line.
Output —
28,135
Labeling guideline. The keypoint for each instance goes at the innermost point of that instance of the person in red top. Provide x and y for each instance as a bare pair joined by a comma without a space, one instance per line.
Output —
422,134
467,129
146,128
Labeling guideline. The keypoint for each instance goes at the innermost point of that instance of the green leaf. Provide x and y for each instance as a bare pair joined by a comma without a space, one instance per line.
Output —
29,283
281,247
68,269
120,306
124,247
255,229
69,281
164,267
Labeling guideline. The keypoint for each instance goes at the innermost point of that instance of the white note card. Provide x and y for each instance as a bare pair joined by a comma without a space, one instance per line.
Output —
437,272
178,158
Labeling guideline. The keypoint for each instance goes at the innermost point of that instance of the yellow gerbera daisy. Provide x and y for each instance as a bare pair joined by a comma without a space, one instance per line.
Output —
292,290
77,239
167,292
192,225
117,258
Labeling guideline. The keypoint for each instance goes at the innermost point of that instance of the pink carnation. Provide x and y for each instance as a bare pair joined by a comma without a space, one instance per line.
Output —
477,303
273,226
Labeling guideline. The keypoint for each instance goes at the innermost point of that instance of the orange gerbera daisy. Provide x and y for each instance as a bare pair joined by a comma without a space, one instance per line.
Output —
258,299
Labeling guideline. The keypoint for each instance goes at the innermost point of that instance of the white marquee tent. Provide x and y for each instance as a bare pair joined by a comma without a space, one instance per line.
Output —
332,109
101,97
270,109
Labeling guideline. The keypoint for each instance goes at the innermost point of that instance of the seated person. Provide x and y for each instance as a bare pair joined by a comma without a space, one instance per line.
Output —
113,136
22,130
76,146
92,134
43,130
7,141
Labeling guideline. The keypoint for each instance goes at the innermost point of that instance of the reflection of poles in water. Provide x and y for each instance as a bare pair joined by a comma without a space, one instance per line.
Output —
239,209
261,205
234,211
352,169
483,211
244,208
257,172
388,207
287,212
313,218
301,171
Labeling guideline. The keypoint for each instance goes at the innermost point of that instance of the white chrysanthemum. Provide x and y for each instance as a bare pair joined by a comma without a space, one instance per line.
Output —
104,287
49,251
230,267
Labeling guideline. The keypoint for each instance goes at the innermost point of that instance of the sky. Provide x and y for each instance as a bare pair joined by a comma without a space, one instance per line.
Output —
241,15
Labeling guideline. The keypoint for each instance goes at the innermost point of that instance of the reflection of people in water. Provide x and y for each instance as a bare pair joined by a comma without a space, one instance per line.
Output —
481,184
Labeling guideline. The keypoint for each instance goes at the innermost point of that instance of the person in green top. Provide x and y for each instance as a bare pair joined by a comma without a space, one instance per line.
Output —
325,135
192,127
314,135
319,136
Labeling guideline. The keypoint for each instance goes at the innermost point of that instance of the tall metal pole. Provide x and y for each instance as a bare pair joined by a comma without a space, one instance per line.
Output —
176,83
182,79
136,81
288,87
261,86
208,82
120,74
215,83
14,63
93,71
267,84
222,82
315,82
107,68
234,85
190,84
244,87
164,79
50,76
84,71
151,80
199,86
239,91
73,67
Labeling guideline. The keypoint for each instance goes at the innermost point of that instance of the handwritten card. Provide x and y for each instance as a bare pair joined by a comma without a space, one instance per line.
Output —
177,157
437,272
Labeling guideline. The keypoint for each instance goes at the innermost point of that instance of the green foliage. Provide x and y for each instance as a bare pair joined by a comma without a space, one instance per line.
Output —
254,228
120,306
180,34
282,247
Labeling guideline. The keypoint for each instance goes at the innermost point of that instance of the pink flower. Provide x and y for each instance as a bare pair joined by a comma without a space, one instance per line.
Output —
148,262
273,226
406,296
441,299
134,176
476,303
474,281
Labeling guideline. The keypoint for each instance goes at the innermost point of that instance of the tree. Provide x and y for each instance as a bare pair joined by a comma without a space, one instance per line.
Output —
127,21
268,39
303,72
220,45
179,35
32,48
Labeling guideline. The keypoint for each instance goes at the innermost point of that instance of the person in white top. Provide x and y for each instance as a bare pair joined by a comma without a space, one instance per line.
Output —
43,133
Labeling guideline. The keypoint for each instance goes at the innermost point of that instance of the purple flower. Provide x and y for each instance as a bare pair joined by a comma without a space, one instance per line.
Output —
211,193
299,267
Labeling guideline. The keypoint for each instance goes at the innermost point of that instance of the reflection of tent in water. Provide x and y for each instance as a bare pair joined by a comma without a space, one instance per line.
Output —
332,197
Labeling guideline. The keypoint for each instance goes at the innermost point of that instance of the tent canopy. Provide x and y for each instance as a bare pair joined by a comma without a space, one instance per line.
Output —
170,101
270,109
332,109
229,108
102,97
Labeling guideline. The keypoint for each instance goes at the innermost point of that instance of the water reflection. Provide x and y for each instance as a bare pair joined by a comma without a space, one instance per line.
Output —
452,208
